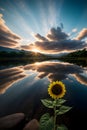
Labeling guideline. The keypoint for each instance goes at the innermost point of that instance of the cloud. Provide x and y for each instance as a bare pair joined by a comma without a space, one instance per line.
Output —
9,77
2,9
80,78
27,47
7,37
74,30
82,34
66,45
57,41
39,37
1,19
57,34
61,24
57,71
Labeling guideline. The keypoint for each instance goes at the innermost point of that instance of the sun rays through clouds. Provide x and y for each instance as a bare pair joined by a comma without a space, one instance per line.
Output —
41,25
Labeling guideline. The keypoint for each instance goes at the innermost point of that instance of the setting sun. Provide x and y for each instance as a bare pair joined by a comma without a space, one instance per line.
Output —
35,50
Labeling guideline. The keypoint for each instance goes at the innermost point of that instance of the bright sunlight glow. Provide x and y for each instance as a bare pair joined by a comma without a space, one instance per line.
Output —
35,50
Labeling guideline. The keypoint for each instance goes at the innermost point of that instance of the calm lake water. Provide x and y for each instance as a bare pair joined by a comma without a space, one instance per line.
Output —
22,87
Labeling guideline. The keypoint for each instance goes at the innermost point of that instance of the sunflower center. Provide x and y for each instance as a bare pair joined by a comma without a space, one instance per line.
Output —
56,89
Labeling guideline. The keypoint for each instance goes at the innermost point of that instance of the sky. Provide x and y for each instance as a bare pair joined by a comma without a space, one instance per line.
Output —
46,26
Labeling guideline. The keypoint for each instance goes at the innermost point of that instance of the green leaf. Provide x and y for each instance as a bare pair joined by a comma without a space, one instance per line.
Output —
47,103
62,127
60,101
63,109
56,104
46,122
57,111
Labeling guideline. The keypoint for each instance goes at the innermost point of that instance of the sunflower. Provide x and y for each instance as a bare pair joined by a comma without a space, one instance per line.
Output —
56,89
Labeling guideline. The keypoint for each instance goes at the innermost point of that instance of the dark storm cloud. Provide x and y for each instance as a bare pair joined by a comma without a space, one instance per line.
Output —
7,37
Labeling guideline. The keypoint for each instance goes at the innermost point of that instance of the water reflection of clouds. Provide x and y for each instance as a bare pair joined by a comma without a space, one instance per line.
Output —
10,76
51,69
80,78
58,71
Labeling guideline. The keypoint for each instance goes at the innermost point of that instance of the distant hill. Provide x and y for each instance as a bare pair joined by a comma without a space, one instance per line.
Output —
78,57
76,54
8,49
8,54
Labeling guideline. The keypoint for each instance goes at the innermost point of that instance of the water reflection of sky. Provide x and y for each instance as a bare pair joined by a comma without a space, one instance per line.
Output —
22,87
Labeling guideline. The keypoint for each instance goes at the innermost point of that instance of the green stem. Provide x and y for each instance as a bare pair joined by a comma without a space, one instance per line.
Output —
55,117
